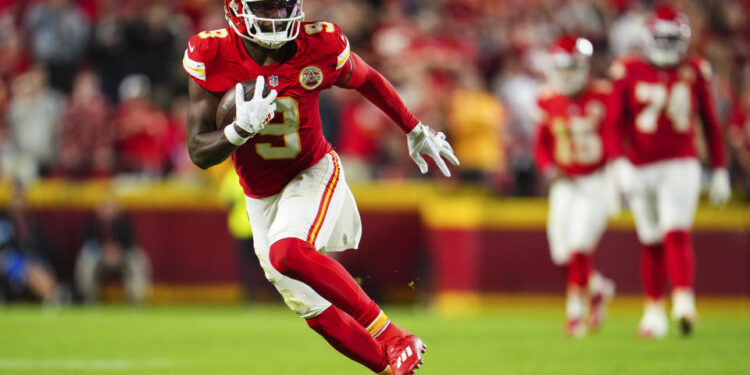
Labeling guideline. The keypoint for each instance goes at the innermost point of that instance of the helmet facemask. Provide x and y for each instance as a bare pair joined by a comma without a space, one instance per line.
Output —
667,41
268,23
568,71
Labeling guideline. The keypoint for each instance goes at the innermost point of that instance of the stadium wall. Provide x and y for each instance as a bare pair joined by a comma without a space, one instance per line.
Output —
420,241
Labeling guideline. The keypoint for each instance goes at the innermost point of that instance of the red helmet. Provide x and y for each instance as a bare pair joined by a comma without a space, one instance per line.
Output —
668,36
269,23
569,63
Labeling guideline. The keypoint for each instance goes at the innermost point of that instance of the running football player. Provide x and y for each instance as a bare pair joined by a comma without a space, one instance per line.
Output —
654,102
298,201
570,154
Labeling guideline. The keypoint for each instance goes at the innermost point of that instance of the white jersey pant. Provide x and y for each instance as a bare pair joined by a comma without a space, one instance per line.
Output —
316,206
667,200
578,211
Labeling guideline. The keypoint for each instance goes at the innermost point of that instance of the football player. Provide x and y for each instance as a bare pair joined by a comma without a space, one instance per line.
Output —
298,201
570,154
654,101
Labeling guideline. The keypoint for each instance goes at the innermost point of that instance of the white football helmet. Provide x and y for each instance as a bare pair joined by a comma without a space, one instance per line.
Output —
269,23
569,64
668,36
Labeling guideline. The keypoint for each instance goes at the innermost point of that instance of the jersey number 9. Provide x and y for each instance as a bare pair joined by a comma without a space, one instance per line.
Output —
288,128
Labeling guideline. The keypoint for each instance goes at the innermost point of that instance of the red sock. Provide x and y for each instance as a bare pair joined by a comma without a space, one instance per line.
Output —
680,257
653,270
580,267
299,260
350,338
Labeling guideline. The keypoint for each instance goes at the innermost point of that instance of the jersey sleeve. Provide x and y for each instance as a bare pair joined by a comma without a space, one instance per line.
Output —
613,132
544,141
707,113
337,46
200,51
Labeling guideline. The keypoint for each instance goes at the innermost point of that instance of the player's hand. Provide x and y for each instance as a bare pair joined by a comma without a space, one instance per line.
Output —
552,174
626,177
720,190
254,114
424,141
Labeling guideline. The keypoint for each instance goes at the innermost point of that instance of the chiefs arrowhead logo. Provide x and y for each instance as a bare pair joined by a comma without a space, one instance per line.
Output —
311,77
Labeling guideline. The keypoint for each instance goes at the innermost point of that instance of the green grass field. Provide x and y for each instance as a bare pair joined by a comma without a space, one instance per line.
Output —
523,336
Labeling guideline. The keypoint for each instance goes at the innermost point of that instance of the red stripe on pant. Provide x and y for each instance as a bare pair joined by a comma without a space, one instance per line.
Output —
325,201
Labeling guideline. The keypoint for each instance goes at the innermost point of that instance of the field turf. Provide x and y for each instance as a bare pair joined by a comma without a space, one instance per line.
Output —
521,336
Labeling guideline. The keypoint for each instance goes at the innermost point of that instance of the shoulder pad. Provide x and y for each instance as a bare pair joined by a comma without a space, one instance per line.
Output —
702,66
332,38
601,86
202,48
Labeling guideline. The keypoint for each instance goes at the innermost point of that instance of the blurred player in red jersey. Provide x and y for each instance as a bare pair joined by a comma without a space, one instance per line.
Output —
297,198
570,154
653,104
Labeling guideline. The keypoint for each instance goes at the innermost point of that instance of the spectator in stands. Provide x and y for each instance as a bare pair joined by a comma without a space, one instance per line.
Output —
14,58
59,33
739,139
476,119
517,88
26,261
180,165
142,130
33,126
110,249
87,137
361,128
151,50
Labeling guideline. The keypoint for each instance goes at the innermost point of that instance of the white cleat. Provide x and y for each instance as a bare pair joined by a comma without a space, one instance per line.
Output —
654,324
601,294
575,328
683,310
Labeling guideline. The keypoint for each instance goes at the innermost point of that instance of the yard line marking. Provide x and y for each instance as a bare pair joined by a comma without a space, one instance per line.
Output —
83,364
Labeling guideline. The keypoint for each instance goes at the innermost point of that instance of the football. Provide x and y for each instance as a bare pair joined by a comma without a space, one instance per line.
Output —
226,112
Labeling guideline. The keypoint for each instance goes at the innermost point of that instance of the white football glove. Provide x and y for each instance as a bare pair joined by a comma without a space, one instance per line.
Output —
720,190
424,141
254,114
626,176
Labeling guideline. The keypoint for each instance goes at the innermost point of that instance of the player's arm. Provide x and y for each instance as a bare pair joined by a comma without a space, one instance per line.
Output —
209,146
720,189
206,144
709,118
613,131
544,144
619,168
422,140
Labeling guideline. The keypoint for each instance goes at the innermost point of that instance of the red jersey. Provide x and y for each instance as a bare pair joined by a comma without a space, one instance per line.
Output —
569,133
293,140
653,110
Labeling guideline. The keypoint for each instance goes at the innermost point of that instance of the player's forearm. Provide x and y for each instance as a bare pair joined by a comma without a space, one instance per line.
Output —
711,126
209,149
714,138
373,86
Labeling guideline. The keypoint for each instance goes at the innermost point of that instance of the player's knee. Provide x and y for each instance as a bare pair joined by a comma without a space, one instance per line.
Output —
285,255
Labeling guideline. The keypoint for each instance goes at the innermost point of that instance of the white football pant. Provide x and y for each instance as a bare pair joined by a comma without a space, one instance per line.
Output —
578,211
316,206
668,199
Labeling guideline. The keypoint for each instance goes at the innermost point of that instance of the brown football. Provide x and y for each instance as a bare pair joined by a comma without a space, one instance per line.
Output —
226,112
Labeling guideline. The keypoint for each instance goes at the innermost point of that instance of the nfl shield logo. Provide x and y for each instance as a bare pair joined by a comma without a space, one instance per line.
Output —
273,81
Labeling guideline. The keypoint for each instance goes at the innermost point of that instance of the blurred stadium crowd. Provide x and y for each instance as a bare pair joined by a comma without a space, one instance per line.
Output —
95,88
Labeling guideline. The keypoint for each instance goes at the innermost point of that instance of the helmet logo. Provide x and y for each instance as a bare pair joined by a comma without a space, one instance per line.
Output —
311,77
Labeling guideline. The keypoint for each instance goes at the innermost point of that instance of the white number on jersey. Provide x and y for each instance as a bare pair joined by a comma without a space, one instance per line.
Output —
288,127
582,143
314,28
655,96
